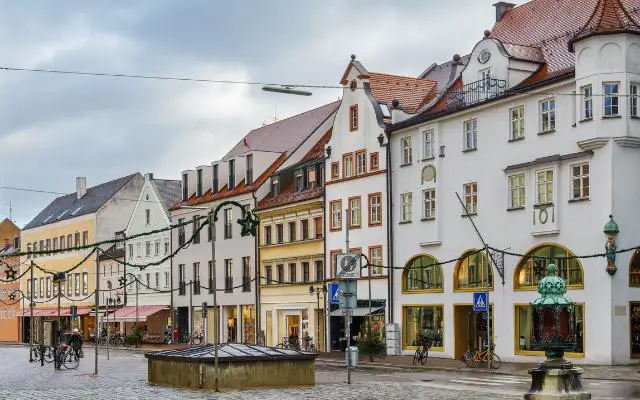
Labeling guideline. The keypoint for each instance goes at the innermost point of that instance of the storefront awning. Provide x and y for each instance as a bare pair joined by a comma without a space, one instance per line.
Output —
128,313
53,312
359,312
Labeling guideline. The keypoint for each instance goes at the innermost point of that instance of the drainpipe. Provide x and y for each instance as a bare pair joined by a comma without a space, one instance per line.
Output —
256,272
390,271
171,304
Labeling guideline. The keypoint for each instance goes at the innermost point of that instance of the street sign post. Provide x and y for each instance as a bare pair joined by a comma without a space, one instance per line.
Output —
350,265
333,290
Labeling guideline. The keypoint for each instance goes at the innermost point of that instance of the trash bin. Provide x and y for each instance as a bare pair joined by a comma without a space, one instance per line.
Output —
352,356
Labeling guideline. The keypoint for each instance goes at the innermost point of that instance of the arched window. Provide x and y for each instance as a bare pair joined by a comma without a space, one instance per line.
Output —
634,271
531,269
470,272
420,274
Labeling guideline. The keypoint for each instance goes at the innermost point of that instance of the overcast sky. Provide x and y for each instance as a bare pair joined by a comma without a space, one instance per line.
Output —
56,127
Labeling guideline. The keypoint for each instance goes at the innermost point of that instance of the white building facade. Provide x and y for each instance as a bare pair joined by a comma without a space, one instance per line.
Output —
540,150
241,176
356,180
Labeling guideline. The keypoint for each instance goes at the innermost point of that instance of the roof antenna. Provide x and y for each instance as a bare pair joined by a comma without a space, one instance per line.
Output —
275,113
10,212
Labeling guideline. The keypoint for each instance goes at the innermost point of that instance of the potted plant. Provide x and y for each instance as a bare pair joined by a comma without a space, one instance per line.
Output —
372,344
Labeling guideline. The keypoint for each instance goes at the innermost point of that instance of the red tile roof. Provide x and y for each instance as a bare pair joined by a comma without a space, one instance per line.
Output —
411,92
289,196
551,24
317,151
609,16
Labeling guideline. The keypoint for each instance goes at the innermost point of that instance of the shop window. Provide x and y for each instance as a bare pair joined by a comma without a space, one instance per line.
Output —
634,270
524,331
634,322
422,273
470,272
531,269
423,323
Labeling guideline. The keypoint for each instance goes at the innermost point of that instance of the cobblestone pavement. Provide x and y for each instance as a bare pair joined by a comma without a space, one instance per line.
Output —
125,376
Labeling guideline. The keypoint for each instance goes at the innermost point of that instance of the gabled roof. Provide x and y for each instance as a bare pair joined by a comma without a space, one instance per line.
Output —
412,93
169,191
69,206
446,73
358,66
285,135
609,16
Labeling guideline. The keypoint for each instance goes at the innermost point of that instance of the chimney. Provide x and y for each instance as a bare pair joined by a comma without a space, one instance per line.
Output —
501,8
148,177
81,186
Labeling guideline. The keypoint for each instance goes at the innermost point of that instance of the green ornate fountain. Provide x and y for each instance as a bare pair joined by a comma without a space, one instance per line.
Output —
554,331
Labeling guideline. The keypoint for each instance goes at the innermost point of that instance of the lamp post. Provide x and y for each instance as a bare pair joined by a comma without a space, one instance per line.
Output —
317,290
249,223
611,230
554,331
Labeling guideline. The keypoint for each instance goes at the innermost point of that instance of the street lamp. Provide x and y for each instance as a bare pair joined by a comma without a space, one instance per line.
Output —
317,290
249,223
554,331
286,89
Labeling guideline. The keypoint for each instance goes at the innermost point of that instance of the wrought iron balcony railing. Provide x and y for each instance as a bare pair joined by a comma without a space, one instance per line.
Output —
475,92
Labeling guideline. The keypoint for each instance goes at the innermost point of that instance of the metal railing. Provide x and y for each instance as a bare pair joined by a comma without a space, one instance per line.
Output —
475,92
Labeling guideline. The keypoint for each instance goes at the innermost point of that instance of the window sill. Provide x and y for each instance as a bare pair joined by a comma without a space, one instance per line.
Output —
355,226
611,116
469,215
515,208
469,150
405,165
429,158
546,132
542,205
428,219
586,120
373,225
404,222
515,139
634,116
579,200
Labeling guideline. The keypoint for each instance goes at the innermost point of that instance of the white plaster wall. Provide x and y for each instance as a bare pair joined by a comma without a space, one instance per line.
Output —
579,225
114,215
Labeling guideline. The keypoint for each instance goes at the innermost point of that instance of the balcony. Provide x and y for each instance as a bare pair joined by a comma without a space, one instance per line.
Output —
475,92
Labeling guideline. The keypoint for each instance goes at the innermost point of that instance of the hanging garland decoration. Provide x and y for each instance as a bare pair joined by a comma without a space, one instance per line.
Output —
70,269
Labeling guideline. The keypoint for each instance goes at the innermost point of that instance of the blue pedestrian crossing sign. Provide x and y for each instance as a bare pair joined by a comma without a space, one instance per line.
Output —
335,299
480,301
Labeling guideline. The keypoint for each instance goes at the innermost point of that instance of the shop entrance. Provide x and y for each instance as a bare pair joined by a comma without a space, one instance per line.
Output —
470,329
293,328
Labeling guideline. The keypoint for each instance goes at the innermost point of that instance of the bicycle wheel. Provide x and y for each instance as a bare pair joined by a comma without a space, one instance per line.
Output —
425,356
416,356
35,353
48,354
470,359
70,360
312,349
495,361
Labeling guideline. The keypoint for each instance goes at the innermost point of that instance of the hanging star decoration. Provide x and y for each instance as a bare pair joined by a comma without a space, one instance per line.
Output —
249,223
122,280
11,273
12,296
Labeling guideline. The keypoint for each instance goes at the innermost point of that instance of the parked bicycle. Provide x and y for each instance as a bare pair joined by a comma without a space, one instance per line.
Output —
68,357
308,346
422,353
474,358
289,343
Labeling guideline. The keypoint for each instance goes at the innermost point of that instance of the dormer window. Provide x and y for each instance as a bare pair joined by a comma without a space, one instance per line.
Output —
199,183
299,181
214,186
232,174
185,187
249,160
312,180
275,186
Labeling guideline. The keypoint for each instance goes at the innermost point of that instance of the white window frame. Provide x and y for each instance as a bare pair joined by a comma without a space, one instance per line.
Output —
375,209
336,215
406,151
405,209
544,196
614,97
580,179
586,111
470,191
470,134
517,190
428,144
634,100
548,116
355,212
516,115
361,167
429,204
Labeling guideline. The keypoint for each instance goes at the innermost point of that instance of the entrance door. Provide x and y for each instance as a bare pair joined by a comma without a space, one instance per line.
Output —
470,329
293,328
